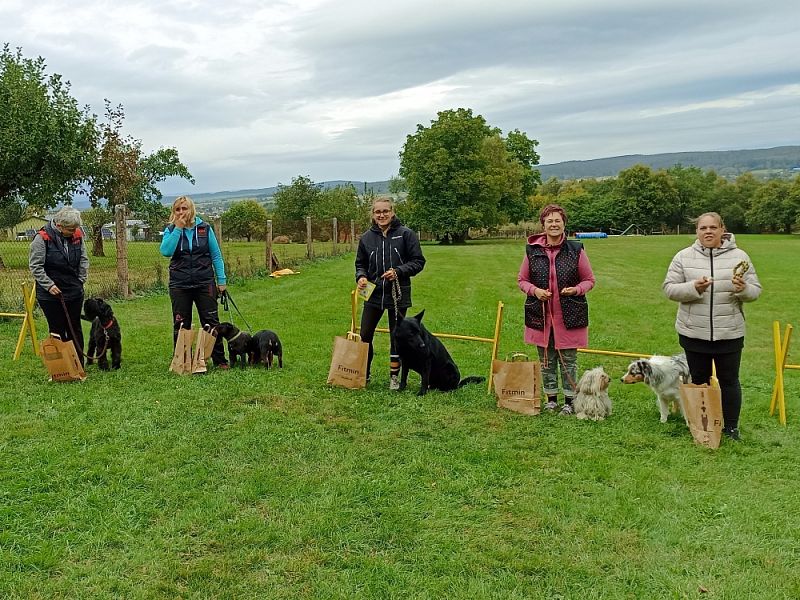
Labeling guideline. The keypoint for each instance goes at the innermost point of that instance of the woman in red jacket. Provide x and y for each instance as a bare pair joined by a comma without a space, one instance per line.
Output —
556,275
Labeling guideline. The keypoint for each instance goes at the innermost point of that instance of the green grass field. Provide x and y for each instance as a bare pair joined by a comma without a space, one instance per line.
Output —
270,484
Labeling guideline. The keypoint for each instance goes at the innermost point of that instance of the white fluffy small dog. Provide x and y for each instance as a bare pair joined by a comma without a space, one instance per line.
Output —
592,401
663,374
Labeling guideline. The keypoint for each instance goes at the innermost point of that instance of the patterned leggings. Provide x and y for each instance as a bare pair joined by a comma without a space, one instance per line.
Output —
553,361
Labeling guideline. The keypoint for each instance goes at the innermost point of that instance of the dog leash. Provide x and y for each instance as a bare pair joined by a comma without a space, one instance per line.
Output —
75,337
397,294
224,298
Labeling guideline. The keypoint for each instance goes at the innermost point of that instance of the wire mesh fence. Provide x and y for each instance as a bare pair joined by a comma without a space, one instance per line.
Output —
137,266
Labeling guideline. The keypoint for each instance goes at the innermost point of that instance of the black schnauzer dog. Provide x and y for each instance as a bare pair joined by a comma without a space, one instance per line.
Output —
105,334
239,343
265,346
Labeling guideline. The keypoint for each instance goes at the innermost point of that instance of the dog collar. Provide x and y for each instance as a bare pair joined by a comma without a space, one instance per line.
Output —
108,326
234,337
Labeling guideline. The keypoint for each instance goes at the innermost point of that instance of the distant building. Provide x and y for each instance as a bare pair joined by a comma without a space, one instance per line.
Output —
136,230
25,229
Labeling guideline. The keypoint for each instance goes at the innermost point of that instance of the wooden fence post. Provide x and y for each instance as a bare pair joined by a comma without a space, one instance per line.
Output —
309,241
335,234
268,257
120,215
218,233
352,234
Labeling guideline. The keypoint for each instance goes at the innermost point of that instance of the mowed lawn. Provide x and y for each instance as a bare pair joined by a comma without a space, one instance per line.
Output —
270,484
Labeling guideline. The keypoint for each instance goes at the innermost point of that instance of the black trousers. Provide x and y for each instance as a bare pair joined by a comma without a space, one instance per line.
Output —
728,375
370,317
58,322
205,299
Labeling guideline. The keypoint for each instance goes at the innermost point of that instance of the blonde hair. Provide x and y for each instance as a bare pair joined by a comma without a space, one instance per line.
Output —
713,215
188,202
384,200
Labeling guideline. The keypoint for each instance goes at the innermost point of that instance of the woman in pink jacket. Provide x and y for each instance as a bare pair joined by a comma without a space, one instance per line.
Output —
556,275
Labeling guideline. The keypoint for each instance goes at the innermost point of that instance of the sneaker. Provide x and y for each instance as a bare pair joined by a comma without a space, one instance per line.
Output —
567,409
394,383
732,433
552,406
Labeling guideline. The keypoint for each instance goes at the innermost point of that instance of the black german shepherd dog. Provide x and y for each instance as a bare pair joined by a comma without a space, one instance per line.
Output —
422,352
105,334
239,343
264,346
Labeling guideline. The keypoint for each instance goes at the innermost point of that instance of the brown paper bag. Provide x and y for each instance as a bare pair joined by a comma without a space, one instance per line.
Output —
516,384
61,359
182,357
702,406
206,338
349,362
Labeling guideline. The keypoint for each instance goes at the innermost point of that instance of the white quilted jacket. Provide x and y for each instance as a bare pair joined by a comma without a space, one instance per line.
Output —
716,314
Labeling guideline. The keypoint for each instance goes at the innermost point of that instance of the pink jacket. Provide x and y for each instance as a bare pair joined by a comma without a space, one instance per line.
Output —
564,338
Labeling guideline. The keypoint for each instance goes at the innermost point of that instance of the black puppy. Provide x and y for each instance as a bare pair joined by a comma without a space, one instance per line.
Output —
239,343
422,352
105,334
265,346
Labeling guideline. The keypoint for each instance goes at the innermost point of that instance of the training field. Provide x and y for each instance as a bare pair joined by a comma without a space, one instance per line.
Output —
257,484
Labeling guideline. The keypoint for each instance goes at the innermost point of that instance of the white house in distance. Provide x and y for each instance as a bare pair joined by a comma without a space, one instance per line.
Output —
25,230
136,229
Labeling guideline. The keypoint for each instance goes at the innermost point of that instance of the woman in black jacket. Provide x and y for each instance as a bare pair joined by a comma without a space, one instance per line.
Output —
387,252
59,263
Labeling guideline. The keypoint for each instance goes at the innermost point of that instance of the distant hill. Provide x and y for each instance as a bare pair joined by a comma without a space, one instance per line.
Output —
783,161
780,161
265,194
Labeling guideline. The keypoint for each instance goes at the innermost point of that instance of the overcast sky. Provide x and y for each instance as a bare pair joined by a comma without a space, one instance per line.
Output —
256,92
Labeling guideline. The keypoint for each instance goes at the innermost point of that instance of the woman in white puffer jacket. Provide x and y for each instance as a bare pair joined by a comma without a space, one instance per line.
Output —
712,279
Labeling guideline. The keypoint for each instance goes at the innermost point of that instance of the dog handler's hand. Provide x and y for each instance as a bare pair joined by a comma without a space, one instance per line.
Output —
542,294
569,291
221,288
390,275
54,290
702,284
362,283
738,283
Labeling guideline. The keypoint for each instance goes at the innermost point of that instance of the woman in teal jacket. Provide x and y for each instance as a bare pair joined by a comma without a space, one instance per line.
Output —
196,271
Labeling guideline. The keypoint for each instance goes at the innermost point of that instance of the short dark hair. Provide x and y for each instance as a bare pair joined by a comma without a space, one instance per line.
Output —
550,209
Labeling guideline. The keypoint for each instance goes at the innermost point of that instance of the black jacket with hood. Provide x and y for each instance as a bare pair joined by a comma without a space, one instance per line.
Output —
399,249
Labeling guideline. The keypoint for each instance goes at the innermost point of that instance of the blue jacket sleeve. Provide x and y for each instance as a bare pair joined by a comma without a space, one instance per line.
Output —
216,258
169,241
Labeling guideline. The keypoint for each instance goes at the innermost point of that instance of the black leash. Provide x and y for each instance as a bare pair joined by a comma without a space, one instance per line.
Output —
74,337
225,298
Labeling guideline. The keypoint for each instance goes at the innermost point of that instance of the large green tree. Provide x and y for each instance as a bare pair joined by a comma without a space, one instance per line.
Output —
46,141
461,173
122,174
293,203
647,198
247,219
775,207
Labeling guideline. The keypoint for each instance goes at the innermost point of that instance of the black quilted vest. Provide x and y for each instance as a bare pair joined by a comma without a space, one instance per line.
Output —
192,269
62,262
574,309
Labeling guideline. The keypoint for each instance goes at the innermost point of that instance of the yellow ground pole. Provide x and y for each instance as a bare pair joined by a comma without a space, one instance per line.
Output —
781,352
28,322
494,341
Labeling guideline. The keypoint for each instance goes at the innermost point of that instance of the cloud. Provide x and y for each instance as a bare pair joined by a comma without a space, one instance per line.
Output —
255,92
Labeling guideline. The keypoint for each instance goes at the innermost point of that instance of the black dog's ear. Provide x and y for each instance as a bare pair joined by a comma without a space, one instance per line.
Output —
104,310
419,316
646,368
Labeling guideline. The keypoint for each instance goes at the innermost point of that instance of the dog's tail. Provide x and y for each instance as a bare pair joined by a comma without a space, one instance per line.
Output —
468,380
